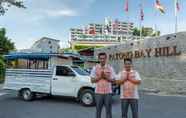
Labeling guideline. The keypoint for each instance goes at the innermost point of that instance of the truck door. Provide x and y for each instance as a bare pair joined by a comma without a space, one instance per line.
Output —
63,81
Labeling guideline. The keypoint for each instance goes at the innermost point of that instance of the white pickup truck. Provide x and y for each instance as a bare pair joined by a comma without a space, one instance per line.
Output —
60,80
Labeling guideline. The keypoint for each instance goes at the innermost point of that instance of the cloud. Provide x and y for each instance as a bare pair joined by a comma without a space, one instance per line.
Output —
35,21
62,12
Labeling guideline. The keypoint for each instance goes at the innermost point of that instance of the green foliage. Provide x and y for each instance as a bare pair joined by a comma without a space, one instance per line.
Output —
67,50
146,31
5,4
136,32
79,47
156,34
2,69
5,44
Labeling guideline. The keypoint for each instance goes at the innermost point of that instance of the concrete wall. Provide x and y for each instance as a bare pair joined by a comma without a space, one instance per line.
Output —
163,71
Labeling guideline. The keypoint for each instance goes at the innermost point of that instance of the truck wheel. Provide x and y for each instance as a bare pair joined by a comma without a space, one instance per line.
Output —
27,95
87,97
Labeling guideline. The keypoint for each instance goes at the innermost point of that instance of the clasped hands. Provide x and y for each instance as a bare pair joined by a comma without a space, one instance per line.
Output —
105,76
122,81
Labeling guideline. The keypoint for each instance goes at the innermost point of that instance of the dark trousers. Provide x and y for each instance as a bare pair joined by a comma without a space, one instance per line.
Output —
133,103
103,100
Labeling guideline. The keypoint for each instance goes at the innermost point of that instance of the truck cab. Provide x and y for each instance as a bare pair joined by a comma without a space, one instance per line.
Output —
73,81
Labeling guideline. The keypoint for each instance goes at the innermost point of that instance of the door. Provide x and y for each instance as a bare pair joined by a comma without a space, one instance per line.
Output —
63,81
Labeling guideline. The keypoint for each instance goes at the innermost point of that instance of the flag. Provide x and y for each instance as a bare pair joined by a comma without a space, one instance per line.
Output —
141,14
126,5
115,24
92,31
159,7
107,24
177,7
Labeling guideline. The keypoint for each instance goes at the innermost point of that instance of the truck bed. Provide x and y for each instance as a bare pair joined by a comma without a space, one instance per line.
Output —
35,80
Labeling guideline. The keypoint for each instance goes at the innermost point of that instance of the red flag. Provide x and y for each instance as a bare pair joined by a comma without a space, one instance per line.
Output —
92,31
159,6
126,5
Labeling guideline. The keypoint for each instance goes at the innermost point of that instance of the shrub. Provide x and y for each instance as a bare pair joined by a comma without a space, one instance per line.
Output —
2,70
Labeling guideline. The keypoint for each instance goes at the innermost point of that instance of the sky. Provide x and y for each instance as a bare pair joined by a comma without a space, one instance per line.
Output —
54,18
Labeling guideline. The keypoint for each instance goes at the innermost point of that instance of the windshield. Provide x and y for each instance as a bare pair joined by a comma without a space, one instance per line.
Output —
80,71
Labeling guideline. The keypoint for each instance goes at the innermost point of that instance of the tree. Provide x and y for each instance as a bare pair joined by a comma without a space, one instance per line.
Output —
156,33
136,32
5,43
5,46
2,69
80,47
146,31
5,4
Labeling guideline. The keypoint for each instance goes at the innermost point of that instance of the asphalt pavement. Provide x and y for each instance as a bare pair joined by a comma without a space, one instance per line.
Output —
150,106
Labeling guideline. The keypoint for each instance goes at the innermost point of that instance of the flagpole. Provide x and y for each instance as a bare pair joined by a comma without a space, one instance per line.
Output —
176,24
155,24
127,37
140,30
176,15
116,22
127,26
112,29
141,7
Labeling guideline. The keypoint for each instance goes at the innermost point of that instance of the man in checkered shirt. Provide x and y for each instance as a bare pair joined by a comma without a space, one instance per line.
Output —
103,75
129,80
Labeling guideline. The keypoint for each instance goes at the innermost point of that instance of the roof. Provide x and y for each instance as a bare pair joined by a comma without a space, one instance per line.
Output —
38,56
49,39
43,38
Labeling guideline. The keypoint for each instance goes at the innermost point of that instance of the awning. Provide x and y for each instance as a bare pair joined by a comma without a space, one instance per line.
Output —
38,56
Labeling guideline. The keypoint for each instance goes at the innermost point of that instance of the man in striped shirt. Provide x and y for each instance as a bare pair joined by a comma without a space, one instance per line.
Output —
103,76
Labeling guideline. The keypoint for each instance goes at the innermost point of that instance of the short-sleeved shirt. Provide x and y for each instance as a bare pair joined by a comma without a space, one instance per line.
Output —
103,86
129,90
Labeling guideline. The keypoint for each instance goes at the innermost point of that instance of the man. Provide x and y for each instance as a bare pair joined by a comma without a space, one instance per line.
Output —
129,79
103,76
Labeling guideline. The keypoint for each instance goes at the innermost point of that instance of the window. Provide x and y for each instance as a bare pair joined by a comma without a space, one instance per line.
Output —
64,71
80,71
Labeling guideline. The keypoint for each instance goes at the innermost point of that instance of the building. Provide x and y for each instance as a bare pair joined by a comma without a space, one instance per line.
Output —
112,32
46,45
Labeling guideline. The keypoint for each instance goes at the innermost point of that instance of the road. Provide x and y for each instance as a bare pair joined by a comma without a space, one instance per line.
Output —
151,106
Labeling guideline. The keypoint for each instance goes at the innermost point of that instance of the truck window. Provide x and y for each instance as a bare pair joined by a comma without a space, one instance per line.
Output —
64,71
79,70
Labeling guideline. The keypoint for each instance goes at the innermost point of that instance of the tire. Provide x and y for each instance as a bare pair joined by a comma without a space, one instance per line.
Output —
27,95
87,97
